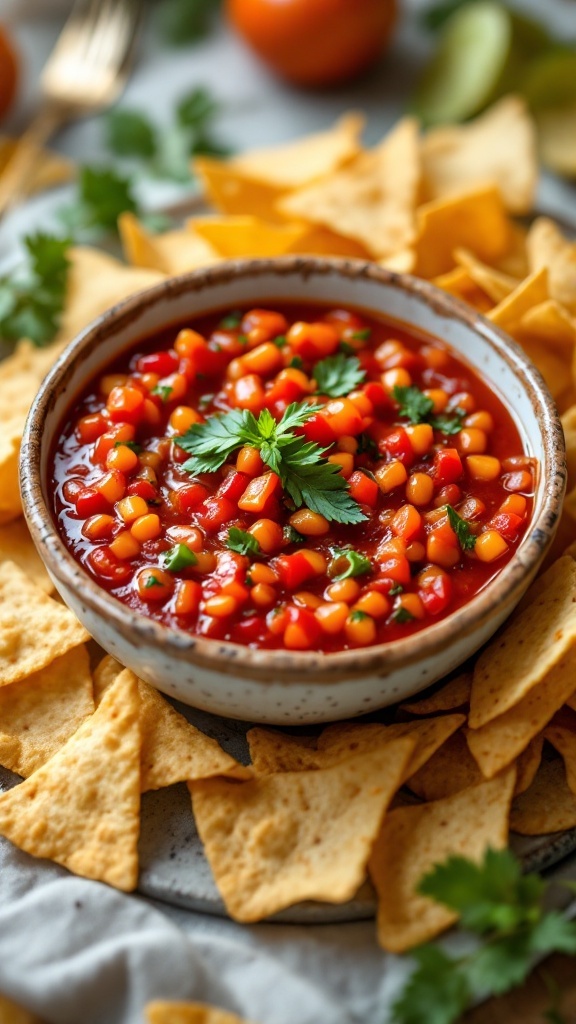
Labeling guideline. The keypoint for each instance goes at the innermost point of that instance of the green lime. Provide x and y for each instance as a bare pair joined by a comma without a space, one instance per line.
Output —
550,80
470,62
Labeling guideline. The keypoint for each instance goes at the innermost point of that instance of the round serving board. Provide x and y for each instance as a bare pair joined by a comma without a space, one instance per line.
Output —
173,867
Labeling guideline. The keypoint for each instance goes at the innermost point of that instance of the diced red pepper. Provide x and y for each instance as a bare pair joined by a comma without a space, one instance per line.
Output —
378,396
107,441
233,486
143,489
435,592
363,489
318,430
397,445
90,502
162,363
447,467
507,524
258,491
214,513
293,569
396,567
190,497
103,562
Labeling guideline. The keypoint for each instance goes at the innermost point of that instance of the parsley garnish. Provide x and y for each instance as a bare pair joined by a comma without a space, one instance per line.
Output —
242,542
307,477
279,341
396,589
417,408
186,21
31,301
338,375
505,909
355,563
364,334
179,557
466,538
152,581
296,363
132,445
130,133
163,390
402,615
103,194
232,321
358,616
292,536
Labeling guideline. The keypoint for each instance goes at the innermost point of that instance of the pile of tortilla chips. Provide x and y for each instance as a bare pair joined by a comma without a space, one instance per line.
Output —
314,817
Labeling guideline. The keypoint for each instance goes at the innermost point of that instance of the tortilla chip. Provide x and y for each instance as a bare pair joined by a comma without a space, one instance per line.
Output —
97,281
51,169
234,193
496,285
414,839
528,764
457,282
273,751
498,148
233,237
293,836
499,742
549,322
449,770
548,249
569,428
473,220
557,138
563,740
453,694
39,714
547,806
549,363
402,262
372,200
105,673
172,252
530,292
524,652
305,159
322,242
34,629
188,1013
16,545
82,808
10,1013
10,503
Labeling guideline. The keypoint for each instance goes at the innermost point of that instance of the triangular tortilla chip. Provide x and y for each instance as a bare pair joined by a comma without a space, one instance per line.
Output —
549,805
34,629
172,252
82,808
493,282
548,249
233,237
551,323
372,200
293,836
530,645
305,159
530,292
188,1013
457,282
563,740
10,503
16,545
414,839
498,147
232,192
474,220
39,714
453,694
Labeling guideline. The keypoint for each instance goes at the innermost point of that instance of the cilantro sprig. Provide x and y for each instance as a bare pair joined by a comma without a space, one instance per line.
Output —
466,539
417,407
306,476
32,300
242,542
338,375
346,562
505,909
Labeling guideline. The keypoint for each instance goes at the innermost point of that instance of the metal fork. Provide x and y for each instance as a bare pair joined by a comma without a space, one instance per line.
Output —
85,73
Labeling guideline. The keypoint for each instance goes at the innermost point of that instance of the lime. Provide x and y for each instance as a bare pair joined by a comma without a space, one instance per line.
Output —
470,61
550,80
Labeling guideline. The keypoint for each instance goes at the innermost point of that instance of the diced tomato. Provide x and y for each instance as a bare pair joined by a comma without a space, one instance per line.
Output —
125,404
162,363
507,524
190,497
228,342
343,417
397,568
435,589
318,430
89,428
363,489
142,488
90,502
258,491
397,445
303,629
248,393
378,396
233,486
214,512
72,488
293,569
252,629
103,562
447,468
107,441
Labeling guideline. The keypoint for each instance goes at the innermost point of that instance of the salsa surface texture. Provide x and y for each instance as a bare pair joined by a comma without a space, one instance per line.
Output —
292,477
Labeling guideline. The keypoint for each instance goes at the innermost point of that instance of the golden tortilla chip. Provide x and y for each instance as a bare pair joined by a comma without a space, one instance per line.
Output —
172,252
34,629
547,806
549,363
10,1013
530,292
51,170
16,545
563,740
305,159
273,751
234,193
527,764
234,237
557,138
402,262
569,428
160,1012
294,836
105,673
499,742
474,220
549,322
524,652
372,200
414,839
39,714
496,285
457,282
449,770
82,808
453,694
549,250
10,503
322,242
497,148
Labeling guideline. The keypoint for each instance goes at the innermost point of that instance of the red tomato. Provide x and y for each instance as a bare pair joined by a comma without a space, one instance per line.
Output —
315,42
8,73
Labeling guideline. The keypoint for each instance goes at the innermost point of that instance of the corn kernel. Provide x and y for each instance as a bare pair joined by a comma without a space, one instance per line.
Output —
310,524
307,600
131,508
373,603
268,534
483,467
220,606
412,604
260,573
392,474
515,503
397,377
482,420
490,546
315,559
146,527
263,595
332,616
122,458
98,527
347,444
360,629
125,546
439,397
472,441
345,460
421,437
420,489
205,562
344,590
183,417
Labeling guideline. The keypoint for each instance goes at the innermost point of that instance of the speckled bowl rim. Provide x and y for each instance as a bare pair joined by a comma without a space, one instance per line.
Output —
283,665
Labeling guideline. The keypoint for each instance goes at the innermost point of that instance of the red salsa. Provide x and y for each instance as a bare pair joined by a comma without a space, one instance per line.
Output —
301,477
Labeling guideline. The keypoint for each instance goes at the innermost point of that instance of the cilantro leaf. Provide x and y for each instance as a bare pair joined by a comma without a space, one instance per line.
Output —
242,542
402,615
131,133
357,615
186,21
292,536
32,300
414,405
152,581
436,993
132,445
163,391
196,109
103,194
448,424
338,375
211,443
466,538
178,558
232,320
350,563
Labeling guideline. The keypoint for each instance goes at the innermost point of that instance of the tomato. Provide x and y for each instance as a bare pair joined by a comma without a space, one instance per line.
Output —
315,42
8,73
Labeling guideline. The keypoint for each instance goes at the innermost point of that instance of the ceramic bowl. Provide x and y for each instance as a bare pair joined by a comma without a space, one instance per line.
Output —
287,687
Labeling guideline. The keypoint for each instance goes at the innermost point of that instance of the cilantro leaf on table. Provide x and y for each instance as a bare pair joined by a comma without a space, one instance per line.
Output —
338,375
464,535
186,21
242,542
436,993
103,194
130,133
307,477
416,407
31,301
